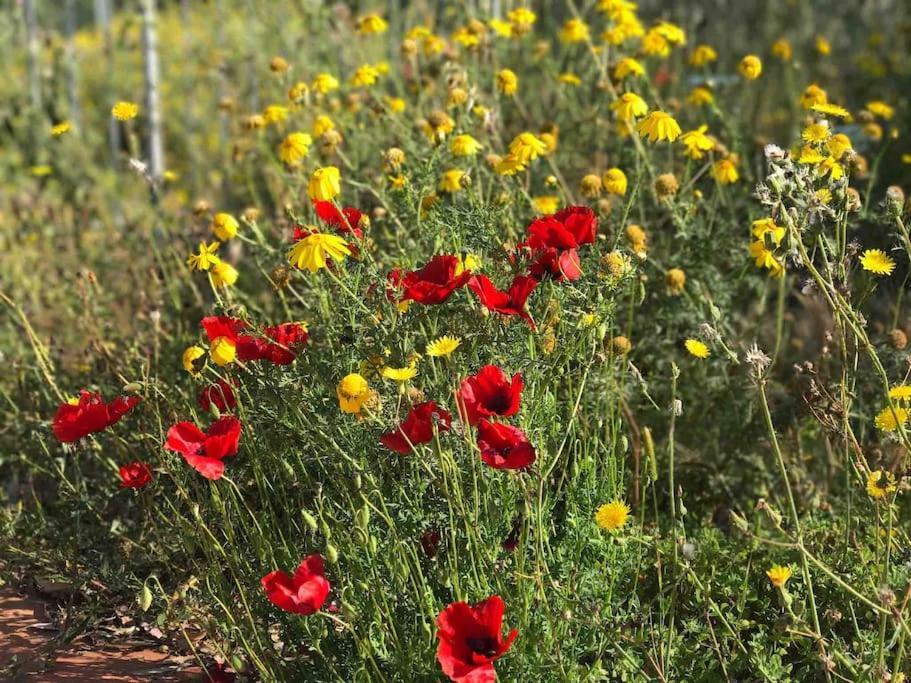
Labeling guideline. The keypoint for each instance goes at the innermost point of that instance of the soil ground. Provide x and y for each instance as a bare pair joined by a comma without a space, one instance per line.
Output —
30,650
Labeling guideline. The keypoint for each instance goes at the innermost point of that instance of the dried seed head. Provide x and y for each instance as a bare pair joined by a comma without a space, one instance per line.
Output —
666,186
898,339
675,279
757,360
621,345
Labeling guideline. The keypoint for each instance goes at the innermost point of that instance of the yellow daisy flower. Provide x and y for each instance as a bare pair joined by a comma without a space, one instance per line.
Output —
659,125
877,262
779,575
124,111
311,251
696,348
612,516
442,347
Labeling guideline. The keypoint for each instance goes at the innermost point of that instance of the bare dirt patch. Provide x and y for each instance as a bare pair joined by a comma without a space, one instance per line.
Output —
31,648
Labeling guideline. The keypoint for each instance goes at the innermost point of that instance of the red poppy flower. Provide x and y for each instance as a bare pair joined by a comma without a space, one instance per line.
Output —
489,393
511,542
135,475
559,265
346,220
217,326
432,284
471,639
89,414
417,427
303,593
566,229
503,446
280,345
510,302
220,394
286,342
430,543
204,451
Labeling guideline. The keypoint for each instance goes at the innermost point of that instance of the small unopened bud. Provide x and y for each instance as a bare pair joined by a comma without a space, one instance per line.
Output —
895,199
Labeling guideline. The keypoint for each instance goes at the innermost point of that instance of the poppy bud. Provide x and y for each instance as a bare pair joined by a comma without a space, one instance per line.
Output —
363,517
332,553
309,520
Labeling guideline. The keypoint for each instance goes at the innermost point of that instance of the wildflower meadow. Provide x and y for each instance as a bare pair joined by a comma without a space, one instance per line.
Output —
468,341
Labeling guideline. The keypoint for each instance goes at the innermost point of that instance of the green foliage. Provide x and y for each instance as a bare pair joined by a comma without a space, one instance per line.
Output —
753,457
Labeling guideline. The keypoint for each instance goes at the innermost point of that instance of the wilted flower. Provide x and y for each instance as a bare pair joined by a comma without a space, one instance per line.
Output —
325,184
880,484
675,279
311,251
507,82
224,226
659,125
294,148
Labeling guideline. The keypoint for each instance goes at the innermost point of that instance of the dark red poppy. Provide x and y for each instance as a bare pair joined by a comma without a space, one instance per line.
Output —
303,593
511,542
218,673
204,451
566,229
432,284
510,302
135,475
430,543
89,414
503,446
278,344
220,394
417,427
283,343
489,393
559,265
471,639
344,220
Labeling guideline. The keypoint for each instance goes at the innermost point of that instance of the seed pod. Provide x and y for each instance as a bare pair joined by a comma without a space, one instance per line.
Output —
650,453
145,598
309,520
362,519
